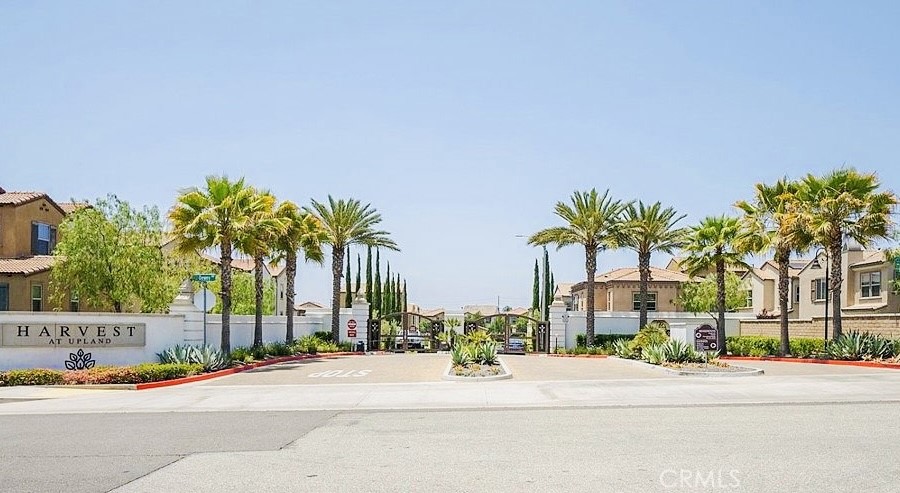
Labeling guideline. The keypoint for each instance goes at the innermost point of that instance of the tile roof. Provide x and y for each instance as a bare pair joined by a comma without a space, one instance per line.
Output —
70,207
16,198
26,265
632,274
871,257
765,275
244,264
564,288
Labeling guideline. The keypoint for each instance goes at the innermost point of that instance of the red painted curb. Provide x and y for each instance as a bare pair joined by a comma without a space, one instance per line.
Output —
578,355
838,362
231,371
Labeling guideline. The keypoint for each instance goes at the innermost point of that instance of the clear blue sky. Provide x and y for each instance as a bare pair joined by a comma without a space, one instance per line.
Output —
463,122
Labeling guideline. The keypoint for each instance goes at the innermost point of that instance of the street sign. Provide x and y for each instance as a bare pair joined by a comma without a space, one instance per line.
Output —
897,267
351,324
706,338
351,332
203,277
204,300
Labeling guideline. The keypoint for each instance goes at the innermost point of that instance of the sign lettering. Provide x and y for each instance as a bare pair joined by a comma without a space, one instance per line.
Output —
63,335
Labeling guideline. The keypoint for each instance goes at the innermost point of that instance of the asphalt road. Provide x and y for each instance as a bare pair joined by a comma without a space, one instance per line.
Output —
781,448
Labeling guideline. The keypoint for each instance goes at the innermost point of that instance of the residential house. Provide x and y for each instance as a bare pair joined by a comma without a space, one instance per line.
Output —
619,291
762,289
866,286
28,236
563,292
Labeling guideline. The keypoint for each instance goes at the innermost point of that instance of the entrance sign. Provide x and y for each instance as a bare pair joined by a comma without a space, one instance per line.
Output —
706,338
73,335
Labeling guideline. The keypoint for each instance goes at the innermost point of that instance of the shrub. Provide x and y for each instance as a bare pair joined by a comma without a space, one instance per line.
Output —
143,373
278,349
673,351
622,349
208,357
35,376
487,353
459,355
860,346
242,353
323,335
602,339
649,335
805,348
753,345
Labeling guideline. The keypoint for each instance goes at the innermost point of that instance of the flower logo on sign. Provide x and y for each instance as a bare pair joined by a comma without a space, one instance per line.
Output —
80,361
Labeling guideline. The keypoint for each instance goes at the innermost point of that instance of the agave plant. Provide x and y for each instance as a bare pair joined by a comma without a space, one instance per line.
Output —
487,353
622,348
860,346
655,354
678,351
176,354
459,355
212,359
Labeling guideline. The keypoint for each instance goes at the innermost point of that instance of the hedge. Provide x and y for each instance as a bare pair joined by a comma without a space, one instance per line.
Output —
603,339
143,373
771,346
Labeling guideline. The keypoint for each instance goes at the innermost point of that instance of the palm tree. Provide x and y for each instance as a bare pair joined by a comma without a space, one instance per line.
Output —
593,221
347,222
773,223
302,231
845,203
214,216
713,244
649,229
255,240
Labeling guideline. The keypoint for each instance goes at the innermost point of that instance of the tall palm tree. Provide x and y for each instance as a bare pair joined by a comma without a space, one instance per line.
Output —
347,222
209,217
302,232
649,229
714,245
593,221
255,240
845,203
773,223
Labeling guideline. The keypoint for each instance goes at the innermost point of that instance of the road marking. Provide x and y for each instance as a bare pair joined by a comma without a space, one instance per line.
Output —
339,374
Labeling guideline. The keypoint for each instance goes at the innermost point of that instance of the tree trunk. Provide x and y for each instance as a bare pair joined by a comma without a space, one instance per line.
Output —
720,303
291,273
644,268
835,281
337,263
590,267
117,306
783,258
258,284
225,266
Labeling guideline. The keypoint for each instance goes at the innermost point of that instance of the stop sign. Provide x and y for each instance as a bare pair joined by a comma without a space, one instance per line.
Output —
351,324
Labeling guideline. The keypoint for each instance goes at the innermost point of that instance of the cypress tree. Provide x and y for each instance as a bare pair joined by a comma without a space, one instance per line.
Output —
348,298
386,302
536,289
358,274
376,287
550,296
398,298
547,293
369,279
405,299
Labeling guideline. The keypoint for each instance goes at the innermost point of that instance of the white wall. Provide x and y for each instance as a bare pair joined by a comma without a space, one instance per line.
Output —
574,323
163,331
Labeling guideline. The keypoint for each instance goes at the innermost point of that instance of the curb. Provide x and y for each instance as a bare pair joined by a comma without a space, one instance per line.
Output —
447,375
231,371
600,356
745,372
838,362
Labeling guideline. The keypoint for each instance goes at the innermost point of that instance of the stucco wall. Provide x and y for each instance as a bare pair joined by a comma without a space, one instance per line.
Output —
887,325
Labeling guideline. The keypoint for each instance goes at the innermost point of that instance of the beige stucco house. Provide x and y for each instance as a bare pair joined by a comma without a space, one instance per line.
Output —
762,289
618,291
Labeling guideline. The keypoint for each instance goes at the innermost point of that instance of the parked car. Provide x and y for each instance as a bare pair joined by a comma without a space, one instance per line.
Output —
414,339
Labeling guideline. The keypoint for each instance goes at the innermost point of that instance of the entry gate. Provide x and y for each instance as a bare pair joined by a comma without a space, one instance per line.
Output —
511,334
405,331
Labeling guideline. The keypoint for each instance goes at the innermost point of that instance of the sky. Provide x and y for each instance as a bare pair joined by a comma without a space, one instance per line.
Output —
462,122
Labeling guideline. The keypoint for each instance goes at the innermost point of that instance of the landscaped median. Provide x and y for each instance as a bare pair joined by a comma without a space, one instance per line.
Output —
474,358
179,365
851,349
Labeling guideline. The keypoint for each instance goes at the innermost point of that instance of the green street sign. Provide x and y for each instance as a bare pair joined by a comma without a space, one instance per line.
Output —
897,266
203,277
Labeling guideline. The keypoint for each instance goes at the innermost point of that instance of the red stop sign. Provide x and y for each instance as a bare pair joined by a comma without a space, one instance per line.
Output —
351,324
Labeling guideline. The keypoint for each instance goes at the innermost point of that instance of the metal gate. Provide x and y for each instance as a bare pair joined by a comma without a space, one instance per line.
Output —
515,334
405,331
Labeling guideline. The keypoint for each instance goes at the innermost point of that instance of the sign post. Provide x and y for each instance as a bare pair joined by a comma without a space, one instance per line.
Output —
203,279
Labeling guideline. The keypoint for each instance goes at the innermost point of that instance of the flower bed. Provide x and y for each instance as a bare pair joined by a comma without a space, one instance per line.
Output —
102,375
477,370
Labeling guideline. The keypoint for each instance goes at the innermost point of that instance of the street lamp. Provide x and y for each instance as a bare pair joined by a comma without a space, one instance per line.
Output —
816,265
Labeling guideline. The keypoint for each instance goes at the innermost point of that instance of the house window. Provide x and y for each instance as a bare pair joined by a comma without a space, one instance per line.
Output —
74,305
4,297
748,302
37,297
43,239
870,284
636,301
820,290
796,292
